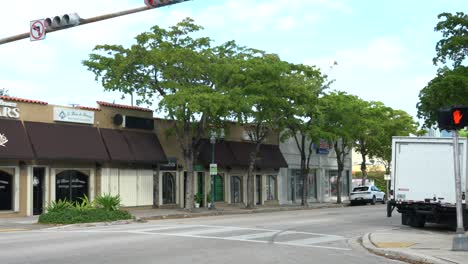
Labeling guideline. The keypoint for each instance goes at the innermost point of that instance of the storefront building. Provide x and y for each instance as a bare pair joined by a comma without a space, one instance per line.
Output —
322,178
50,152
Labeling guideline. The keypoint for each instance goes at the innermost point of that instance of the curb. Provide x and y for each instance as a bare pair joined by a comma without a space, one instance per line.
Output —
413,258
239,212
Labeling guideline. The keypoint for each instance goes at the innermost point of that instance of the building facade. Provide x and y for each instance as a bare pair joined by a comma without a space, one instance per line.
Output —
322,179
50,152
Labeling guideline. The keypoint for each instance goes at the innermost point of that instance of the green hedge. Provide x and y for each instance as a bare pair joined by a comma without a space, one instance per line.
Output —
376,176
73,216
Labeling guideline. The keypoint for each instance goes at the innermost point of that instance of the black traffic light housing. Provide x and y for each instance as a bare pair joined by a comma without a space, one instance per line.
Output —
453,118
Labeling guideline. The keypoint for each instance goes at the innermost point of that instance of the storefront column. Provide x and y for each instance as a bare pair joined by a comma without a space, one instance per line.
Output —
227,188
264,193
29,190
92,174
16,205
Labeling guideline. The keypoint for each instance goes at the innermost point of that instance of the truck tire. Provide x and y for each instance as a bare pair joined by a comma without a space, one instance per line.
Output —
373,200
404,219
417,220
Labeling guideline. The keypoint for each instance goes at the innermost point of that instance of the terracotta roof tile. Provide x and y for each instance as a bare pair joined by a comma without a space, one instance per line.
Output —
88,108
22,100
124,106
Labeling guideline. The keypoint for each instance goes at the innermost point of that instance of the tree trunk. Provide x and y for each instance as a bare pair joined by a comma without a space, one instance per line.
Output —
304,179
156,188
338,180
363,169
251,178
189,182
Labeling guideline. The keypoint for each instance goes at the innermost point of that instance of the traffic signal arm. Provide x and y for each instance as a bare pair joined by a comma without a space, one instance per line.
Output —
56,27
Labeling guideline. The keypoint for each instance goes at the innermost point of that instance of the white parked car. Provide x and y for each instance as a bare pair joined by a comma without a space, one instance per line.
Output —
366,194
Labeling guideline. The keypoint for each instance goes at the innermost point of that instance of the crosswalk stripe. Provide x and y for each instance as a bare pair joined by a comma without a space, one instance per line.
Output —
208,231
315,240
253,236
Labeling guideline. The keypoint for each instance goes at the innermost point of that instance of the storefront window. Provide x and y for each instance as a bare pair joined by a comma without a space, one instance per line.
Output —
236,189
297,185
169,188
333,178
6,191
71,185
271,187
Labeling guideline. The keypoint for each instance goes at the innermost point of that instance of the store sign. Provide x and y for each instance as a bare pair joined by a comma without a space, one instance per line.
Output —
73,115
323,148
9,110
3,140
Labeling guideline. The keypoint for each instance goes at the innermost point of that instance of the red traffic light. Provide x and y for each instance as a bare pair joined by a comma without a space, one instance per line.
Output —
457,116
453,118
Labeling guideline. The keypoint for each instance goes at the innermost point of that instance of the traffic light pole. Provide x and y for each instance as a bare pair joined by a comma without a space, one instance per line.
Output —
460,241
84,22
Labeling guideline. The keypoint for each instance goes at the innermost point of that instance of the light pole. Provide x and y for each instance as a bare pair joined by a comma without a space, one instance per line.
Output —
213,143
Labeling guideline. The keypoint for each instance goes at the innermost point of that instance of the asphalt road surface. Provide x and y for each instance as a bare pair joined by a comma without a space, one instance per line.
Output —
305,236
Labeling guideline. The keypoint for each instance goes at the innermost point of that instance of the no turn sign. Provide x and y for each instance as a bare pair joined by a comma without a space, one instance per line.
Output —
37,30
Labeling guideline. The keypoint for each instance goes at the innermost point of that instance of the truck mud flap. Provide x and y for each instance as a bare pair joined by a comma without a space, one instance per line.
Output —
390,207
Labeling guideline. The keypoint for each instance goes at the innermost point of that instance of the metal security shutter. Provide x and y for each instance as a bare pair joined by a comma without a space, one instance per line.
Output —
145,188
128,187
110,181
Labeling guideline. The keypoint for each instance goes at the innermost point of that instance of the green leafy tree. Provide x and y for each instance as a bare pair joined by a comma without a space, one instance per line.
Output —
177,69
259,90
395,123
306,84
454,44
370,125
449,87
339,119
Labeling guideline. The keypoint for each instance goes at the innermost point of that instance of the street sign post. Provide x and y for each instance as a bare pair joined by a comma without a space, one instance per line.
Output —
213,169
37,30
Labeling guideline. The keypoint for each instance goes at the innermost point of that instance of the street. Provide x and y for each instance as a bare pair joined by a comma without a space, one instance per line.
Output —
303,236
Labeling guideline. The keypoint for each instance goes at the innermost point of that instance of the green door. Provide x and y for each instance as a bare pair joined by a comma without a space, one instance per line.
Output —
219,188
200,185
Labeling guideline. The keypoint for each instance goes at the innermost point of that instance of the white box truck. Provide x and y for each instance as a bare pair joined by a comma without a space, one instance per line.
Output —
423,181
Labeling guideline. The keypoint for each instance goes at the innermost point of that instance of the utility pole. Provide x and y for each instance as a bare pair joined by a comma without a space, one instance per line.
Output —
82,21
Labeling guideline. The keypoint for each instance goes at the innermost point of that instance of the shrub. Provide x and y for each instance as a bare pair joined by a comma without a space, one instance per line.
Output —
84,205
198,198
104,208
59,205
73,216
108,202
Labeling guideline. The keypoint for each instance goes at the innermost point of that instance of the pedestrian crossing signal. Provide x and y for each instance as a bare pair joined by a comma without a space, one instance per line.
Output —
453,118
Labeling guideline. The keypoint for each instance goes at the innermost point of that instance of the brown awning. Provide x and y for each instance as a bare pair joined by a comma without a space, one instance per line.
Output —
269,156
233,153
117,145
223,154
14,143
66,142
130,146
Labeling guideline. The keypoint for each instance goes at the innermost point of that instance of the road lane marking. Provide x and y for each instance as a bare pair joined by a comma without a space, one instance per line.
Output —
316,240
222,233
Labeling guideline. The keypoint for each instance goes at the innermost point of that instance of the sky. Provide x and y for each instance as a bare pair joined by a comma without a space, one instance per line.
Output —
383,49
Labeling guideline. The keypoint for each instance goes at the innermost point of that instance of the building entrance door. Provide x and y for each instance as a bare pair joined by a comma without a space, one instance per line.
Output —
258,188
6,191
38,190
219,188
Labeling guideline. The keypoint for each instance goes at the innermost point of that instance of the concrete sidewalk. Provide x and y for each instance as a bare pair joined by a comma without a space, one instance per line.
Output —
142,214
154,214
415,245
